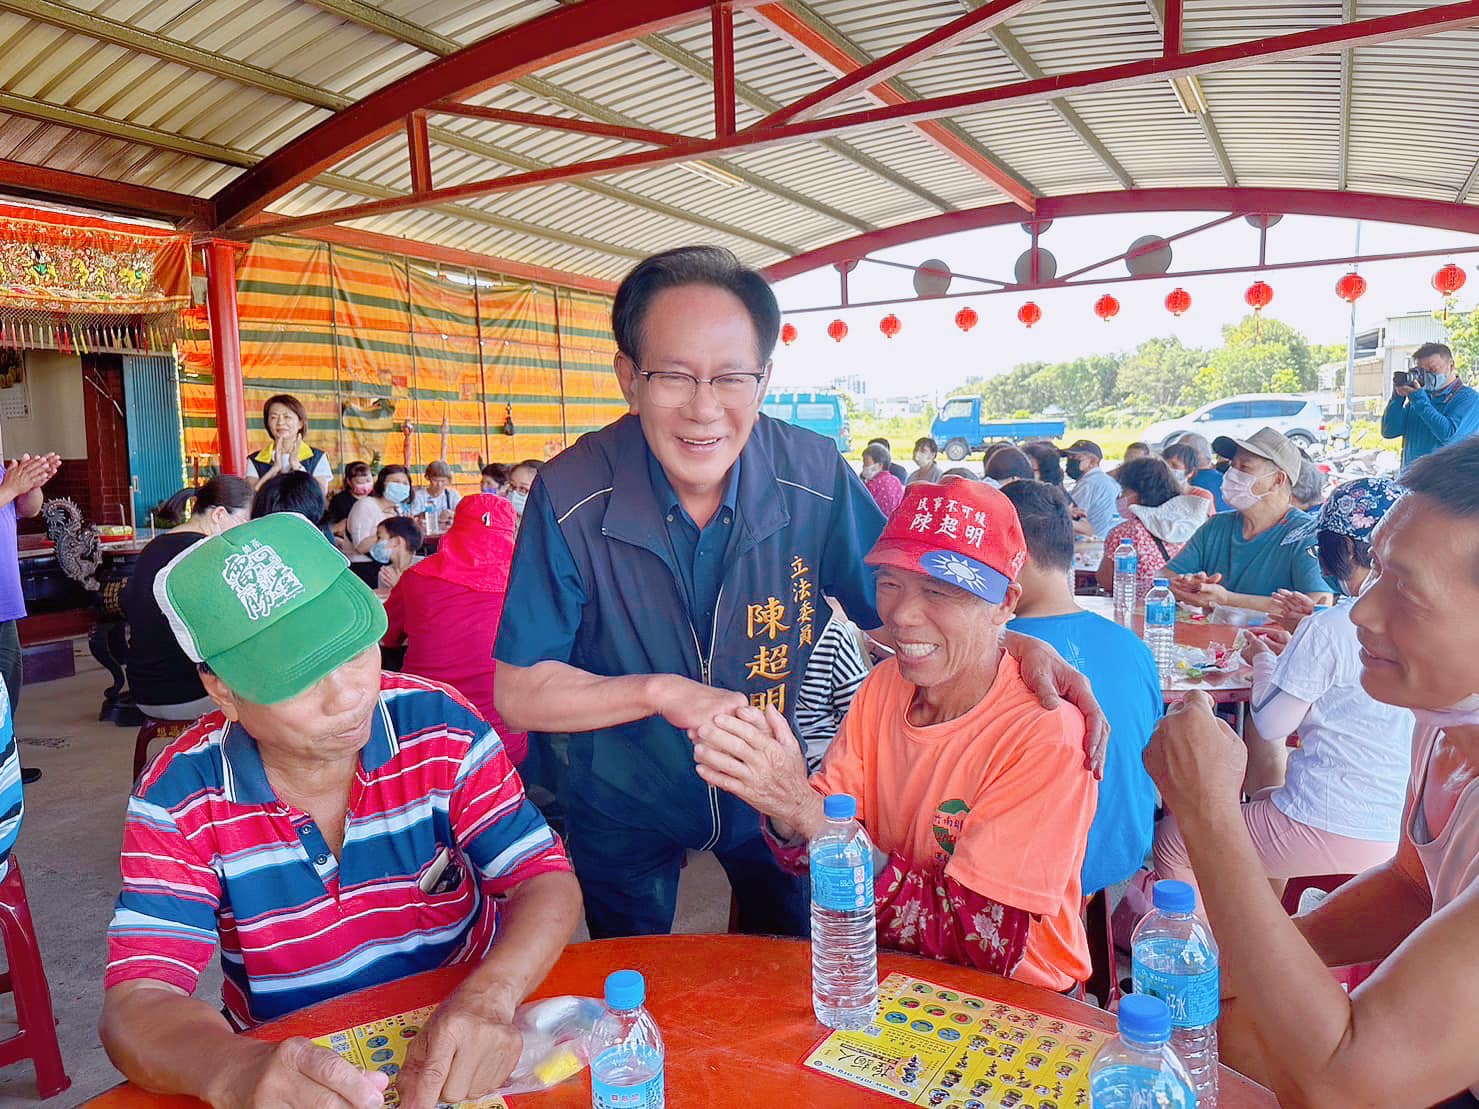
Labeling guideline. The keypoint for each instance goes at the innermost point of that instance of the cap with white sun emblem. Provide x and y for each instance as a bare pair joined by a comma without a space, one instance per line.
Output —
963,533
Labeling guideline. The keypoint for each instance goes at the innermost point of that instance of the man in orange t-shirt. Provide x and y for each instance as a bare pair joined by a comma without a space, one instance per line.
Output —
966,784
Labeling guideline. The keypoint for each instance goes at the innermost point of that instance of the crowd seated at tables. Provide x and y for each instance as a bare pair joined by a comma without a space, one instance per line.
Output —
328,824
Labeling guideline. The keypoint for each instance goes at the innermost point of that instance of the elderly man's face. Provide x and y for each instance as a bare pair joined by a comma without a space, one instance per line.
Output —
941,633
328,722
704,332
1415,619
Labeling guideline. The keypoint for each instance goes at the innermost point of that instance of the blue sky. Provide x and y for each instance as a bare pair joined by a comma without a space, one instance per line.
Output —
930,355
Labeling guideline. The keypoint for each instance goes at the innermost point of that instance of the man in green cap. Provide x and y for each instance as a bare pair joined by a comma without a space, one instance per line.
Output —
332,827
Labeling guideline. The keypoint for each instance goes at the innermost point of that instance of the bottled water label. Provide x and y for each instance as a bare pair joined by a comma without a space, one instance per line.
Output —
645,1094
1161,614
841,888
1194,999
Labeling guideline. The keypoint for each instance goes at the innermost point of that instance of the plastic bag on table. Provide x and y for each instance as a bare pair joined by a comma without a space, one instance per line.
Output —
556,1034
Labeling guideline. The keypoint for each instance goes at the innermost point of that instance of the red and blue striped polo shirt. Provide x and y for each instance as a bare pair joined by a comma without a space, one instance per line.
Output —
210,854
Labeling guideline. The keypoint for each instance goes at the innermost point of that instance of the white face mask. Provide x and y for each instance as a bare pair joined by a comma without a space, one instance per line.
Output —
1180,478
921,458
871,471
518,497
1237,489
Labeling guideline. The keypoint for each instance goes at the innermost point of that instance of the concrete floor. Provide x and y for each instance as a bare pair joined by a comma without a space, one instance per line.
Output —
68,849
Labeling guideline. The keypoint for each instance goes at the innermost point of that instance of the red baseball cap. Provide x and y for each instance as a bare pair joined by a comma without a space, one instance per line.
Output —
963,533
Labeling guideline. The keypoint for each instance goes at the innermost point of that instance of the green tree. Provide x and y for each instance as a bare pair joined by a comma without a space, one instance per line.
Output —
1158,373
1463,337
1254,353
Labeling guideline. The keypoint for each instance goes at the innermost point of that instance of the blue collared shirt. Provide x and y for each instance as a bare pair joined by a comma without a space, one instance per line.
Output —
698,552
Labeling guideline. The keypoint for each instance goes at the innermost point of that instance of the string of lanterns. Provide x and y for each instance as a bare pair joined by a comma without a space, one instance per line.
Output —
1350,287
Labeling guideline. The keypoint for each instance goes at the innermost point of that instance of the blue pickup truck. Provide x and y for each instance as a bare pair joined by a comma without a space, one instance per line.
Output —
959,430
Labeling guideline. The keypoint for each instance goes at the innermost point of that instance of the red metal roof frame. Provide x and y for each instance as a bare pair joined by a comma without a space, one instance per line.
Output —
1237,201
383,112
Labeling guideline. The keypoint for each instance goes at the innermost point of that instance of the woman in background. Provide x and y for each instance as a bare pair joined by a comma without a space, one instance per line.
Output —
388,497
165,683
446,608
286,421
886,490
1157,518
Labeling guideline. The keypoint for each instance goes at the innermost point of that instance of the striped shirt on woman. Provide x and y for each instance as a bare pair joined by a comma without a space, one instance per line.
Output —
438,828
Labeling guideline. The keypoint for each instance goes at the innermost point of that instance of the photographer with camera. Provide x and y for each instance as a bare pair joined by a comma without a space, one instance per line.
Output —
1430,406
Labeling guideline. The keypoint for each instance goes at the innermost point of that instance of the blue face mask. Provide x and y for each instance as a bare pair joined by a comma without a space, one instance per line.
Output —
519,498
380,552
397,492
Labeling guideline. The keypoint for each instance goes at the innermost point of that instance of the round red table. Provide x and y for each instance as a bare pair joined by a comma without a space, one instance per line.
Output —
735,1012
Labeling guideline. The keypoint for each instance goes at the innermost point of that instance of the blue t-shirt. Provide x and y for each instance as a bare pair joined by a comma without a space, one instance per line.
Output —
698,552
1127,686
1256,566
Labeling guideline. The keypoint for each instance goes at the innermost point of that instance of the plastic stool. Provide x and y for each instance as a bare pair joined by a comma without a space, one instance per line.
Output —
150,731
26,979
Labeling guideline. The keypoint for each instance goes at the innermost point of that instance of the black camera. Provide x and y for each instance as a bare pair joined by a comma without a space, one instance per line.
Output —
1415,378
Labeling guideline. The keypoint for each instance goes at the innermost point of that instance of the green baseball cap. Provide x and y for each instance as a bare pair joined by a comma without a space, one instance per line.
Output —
271,607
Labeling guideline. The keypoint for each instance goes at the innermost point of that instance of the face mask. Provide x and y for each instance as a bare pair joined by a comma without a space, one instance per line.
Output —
380,552
1237,489
397,492
1180,478
870,472
519,499
492,487
1074,469
361,488
922,459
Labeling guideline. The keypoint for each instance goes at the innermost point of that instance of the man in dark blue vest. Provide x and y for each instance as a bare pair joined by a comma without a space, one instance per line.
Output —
674,566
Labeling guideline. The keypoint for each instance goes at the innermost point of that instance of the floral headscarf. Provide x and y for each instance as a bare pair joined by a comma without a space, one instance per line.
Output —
1353,509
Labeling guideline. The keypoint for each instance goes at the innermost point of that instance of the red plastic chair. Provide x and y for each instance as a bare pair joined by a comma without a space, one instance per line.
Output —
1349,977
150,731
25,977
1103,981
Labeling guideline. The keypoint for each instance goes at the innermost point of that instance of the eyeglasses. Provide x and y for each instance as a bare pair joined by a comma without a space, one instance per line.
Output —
674,390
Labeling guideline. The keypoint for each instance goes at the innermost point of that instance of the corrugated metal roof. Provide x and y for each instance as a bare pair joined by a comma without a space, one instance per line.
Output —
185,95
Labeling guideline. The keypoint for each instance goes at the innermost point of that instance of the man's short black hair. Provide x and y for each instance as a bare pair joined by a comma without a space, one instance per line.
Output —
496,471
1427,350
297,491
403,527
1049,463
693,265
1046,522
1449,476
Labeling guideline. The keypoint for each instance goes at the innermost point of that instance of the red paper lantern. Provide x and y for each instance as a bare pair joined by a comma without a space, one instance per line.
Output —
788,333
1449,280
966,319
890,325
1106,308
1351,287
837,331
1029,313
1178,300
1258,296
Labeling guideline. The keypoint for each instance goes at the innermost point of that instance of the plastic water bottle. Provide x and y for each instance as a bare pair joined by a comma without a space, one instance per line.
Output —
1126,563
1138,1069
844,934
626,1049
1173,957
432,518
1160,623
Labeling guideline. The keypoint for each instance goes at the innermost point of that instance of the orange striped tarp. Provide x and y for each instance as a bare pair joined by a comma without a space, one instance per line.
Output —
397,360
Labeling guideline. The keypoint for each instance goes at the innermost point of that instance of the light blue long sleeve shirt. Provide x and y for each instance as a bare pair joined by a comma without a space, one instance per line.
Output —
1426,423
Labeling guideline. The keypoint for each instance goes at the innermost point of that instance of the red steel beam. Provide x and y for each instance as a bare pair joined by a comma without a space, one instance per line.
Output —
881,69
1096,282
827,53
556,36
40,183
420,149
451,256
1442,214
1125,75
1171,30
722,48
559,123
220,303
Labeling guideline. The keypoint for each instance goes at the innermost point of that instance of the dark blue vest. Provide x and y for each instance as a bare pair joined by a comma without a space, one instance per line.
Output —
769,615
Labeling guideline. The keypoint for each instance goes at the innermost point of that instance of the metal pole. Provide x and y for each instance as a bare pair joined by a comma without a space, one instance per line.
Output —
220,300
1350,363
